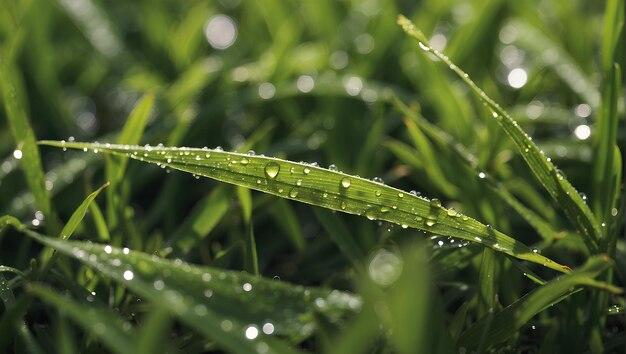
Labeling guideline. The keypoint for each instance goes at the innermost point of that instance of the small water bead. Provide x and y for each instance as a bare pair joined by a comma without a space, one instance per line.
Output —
158,284
435,203
206,277
247,287
482,175
198,157
251,153
244,161
252,332
129,275
345,182
452,212
333,168
378,193
404,226
299,182
400,195
423,46
268,328
293,193
378,180
108,249
306,170
218,148
272,169
431,223
343,205
384,209
325,195
226,325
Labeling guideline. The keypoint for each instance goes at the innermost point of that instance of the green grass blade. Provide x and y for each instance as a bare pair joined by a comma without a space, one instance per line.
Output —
604,143
6,294
326,188
202,219
231,308
69,228
152,337
508,321
101,323
341,236
286,219
548,175
25,143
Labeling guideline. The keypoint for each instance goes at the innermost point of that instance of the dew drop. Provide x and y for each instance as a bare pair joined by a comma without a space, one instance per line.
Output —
345,182
307,170
400,195
128,275
299,182
333,168
343,205
293,193
378,193
244,161
435,203
452,212
481,175
247,287
430,223
378,180
268,328
252,332
271,170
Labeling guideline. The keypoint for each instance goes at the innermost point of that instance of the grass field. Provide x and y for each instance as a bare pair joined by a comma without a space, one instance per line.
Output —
317,176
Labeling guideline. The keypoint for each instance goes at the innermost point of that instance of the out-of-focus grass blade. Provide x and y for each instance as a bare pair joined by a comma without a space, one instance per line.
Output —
486,287
69,228
6,294
202,219
6,269
557,59
25,143
108,328
548,175
613,30
11,320
326,188
604,143
240,312
342,237
286,218
115,166
508,321
154,333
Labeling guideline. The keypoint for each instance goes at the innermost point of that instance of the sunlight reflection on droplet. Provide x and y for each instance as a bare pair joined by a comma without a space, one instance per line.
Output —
339,60
385,267
517,78
220,31
353,85
583,110
108,249
247,287
268,328
582,132
439,41
17,154
128,275
305,83
364,43
252,332
267,90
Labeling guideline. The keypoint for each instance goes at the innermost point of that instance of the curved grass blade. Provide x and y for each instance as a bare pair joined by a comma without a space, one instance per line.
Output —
508,321
240,312
109,329
70,227
326,188
26,147
548,175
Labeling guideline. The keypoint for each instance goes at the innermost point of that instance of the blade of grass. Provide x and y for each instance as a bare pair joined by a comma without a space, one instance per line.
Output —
201,220
548,175
104,325
47,259
228,307
326,188
342,237
152,338
25,142
508,321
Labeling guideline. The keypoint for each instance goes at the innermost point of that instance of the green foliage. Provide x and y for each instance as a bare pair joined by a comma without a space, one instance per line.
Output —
492,187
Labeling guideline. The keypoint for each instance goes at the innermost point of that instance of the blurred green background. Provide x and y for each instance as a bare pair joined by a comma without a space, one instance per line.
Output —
309,81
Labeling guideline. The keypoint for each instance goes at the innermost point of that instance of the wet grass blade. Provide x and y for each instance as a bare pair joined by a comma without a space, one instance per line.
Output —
548,175
508,321
240,312
26,149
104,325
326,188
